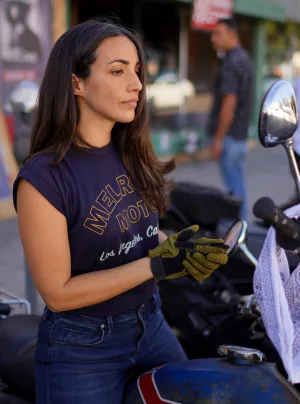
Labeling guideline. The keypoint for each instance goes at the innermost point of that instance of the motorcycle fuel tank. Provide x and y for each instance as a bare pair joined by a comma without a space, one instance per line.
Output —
213,381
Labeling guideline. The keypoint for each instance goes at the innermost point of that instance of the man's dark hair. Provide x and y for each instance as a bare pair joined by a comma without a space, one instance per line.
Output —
230,23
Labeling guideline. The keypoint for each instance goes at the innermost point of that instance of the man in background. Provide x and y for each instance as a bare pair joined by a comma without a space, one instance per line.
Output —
231,111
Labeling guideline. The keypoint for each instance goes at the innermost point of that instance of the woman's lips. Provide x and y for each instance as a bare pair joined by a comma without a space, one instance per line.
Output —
131,103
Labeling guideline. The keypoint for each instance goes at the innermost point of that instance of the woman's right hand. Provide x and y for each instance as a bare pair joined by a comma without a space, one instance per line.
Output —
177,256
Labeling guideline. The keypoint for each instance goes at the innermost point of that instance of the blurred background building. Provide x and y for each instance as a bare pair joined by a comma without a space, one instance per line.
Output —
181,61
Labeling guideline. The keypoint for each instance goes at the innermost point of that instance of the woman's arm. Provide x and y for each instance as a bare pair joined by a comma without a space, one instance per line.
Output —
44,236
161,236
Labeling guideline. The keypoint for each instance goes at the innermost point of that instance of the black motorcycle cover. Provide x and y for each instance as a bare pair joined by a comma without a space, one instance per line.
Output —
18,335
192,203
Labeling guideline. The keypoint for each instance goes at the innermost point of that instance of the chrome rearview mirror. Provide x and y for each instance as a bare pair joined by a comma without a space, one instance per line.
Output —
236,235
278,121
236,238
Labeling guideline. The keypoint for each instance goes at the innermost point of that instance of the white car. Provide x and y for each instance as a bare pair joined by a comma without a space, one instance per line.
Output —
168,91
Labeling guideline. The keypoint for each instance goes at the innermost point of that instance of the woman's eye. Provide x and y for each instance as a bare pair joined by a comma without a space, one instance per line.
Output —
117,72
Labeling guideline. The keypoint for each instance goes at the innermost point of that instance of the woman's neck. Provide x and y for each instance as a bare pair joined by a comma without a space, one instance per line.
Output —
94,129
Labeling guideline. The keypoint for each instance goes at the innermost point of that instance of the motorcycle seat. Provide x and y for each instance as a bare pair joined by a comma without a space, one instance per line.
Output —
18,336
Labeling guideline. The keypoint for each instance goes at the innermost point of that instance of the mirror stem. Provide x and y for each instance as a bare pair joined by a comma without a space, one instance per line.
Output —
248,254
291,156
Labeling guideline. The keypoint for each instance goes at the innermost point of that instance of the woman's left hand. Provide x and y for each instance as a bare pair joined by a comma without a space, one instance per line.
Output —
208,257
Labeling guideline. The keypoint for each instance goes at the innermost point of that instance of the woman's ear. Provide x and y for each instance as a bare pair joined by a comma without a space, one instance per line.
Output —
78,85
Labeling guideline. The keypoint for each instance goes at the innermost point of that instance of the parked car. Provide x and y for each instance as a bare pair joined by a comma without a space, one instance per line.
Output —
169,90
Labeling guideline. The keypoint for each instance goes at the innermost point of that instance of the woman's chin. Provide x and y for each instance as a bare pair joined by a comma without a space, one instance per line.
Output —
126,118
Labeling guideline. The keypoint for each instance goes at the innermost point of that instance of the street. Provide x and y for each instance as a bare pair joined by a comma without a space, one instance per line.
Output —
267,175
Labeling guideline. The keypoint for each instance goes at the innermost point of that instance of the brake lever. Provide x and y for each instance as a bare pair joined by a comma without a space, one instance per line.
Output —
190,245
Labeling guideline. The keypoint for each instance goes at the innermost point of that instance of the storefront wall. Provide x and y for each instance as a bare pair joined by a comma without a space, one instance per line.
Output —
282,56
25,43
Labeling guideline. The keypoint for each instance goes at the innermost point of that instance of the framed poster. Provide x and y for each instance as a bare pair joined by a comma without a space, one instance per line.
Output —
25,44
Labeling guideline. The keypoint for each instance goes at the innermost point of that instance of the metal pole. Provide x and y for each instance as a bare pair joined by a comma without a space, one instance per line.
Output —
183,59
259,56
183,44
248,254
293,164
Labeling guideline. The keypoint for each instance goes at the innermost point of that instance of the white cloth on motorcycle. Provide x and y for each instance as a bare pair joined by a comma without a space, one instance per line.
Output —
278,294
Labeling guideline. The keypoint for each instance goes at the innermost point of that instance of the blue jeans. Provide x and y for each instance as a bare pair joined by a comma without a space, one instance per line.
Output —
81,359
232,165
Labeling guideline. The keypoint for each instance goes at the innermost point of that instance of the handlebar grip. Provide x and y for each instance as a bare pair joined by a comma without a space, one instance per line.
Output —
5,309
287,230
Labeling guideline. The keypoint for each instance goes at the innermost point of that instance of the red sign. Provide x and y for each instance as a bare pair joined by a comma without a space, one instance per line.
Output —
15,76
207,12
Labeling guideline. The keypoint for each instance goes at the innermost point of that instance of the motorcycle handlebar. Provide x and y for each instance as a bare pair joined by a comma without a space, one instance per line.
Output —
5,309
287,230
247,306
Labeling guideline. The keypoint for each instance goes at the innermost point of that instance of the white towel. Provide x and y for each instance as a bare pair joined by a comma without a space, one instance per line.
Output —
278,294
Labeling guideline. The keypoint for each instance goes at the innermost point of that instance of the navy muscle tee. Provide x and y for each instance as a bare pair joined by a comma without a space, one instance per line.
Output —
109,224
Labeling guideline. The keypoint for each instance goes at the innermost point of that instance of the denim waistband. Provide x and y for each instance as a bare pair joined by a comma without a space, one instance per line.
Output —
144,310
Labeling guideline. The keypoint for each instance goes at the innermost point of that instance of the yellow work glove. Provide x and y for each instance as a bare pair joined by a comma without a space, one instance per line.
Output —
178,256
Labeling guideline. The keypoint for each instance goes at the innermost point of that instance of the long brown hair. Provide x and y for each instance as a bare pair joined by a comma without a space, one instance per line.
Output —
57,114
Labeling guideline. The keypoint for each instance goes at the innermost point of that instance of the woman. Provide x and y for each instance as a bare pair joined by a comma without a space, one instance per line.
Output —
88,200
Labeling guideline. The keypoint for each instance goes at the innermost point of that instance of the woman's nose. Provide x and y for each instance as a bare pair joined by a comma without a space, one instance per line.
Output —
135,84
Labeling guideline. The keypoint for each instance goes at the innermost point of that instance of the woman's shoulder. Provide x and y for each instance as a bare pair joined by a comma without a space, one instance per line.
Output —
38,161
38,171
43,164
